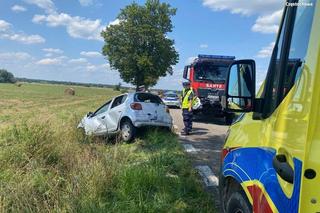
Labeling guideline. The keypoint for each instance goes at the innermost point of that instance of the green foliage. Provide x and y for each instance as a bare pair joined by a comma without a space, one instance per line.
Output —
124,90
117,87
138,47
6,77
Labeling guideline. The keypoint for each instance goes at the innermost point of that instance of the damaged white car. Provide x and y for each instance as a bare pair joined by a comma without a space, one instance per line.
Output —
125,113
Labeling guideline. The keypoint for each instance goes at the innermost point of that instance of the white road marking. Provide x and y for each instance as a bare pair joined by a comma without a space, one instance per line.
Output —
208,177
189,148
182,136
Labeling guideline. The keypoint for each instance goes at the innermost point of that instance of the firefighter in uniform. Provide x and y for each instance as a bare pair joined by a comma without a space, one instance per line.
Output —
187,100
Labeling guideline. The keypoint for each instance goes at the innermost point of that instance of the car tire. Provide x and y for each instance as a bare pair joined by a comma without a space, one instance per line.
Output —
238,203
127,131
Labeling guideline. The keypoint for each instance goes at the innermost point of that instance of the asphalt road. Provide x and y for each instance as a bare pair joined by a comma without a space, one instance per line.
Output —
204,147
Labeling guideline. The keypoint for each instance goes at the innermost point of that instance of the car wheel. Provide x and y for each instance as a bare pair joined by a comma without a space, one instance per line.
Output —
127,131
238,203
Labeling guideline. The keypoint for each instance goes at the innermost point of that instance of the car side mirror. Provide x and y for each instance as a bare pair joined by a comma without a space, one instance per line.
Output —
89,114
185,72
240,87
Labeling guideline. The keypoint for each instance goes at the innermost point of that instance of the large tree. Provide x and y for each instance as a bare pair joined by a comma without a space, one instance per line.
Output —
138,46
6,77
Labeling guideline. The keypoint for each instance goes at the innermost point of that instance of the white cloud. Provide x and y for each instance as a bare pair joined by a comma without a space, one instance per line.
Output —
53,50
190,59
22,38
98,67
15,56
91,67
76,26
86,3
105,66
4,26
78,61
8,34
49,61
269,11
92,54
268,23
47,5
266,52
204,46
244,7
18,8
115,22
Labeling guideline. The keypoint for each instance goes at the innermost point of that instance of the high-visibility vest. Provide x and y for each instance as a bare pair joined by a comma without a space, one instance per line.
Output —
185,98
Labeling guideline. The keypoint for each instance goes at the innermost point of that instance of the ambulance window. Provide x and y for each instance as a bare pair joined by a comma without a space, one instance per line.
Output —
274,72
299,44
289,53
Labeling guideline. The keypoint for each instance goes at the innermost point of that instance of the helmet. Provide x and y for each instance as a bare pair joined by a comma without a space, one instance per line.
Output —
186,83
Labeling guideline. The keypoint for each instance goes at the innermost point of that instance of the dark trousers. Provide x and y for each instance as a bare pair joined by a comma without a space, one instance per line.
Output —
187,120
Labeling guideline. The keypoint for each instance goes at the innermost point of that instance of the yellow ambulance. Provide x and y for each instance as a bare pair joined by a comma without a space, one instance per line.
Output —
271,158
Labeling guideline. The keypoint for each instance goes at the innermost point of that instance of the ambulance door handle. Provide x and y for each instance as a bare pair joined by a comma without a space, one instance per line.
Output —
283,168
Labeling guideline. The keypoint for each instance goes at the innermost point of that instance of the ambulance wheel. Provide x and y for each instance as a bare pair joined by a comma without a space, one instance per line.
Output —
238,203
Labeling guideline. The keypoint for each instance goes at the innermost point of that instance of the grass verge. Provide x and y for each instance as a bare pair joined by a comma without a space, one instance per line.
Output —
50,168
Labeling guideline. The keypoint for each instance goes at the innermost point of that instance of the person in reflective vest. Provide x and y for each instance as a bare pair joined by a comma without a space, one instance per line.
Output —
187,100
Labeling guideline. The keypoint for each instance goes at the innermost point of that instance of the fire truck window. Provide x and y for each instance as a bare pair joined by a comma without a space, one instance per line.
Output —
211,72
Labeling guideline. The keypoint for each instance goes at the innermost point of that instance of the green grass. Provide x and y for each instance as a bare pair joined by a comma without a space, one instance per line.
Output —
46,165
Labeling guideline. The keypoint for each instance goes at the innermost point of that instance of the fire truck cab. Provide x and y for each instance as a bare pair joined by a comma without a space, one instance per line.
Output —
207,75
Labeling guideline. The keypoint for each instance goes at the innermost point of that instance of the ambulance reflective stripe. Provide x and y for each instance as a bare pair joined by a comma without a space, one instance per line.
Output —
252,168
260,200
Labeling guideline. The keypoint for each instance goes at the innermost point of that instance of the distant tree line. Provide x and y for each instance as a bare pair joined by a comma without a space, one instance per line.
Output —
122,89
64,83
7,77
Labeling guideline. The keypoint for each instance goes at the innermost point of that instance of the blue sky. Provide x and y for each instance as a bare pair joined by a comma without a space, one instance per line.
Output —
60,40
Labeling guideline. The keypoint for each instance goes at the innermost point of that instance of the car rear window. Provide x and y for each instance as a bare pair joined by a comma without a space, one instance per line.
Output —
171,95
147,98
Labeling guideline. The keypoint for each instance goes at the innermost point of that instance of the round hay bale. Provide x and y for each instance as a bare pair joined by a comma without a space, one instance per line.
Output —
18,84
69,91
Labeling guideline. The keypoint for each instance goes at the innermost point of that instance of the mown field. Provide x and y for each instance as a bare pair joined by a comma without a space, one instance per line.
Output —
46,165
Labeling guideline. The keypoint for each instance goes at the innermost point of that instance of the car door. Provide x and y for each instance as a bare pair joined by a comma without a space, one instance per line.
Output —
285,126
115,112
97,122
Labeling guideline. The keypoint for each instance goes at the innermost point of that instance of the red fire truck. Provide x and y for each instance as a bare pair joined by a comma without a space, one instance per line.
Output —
207,75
